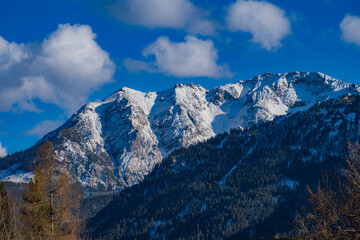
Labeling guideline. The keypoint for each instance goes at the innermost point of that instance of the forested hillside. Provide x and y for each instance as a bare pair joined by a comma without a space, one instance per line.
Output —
247,183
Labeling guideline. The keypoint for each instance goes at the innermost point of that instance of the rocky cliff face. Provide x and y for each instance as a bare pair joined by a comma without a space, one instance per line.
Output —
245,184
116,142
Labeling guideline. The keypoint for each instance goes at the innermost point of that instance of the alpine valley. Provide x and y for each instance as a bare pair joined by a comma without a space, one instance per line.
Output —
232,162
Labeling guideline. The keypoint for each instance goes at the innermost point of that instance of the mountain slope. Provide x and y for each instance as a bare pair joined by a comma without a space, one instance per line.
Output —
244,184
114,143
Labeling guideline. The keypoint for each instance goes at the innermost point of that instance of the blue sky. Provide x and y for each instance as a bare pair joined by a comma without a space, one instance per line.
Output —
56,55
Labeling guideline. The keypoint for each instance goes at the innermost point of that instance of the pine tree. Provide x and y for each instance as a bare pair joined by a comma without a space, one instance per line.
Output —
50,201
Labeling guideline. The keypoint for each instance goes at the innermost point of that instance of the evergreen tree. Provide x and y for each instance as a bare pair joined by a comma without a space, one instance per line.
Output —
50,201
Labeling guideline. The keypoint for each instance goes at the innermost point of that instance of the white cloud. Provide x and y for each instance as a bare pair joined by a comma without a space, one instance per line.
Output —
350,29
43,128
178,14
10,54
266,22
3,151
192,58
63,70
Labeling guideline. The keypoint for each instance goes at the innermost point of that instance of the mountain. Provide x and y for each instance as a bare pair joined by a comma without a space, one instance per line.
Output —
244,184
115,143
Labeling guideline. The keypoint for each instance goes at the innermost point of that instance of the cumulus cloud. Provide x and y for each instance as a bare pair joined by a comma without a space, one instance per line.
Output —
10,54
266,22
178,14
62,70
350,29
3,151
192,58
43,128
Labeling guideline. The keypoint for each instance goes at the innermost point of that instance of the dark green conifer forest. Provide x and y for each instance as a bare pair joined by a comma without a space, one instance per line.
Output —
277,179
245,184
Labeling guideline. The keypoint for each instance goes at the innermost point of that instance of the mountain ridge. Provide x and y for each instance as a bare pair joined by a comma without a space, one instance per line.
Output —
114,143
243,184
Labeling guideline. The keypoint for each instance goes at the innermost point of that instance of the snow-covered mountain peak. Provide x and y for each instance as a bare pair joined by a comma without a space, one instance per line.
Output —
136,130
133,98
116,142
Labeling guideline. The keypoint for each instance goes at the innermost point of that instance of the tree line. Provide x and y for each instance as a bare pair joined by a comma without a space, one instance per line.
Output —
267,168
187,189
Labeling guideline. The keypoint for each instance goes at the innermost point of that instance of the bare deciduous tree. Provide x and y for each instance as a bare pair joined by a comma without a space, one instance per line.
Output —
335,213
